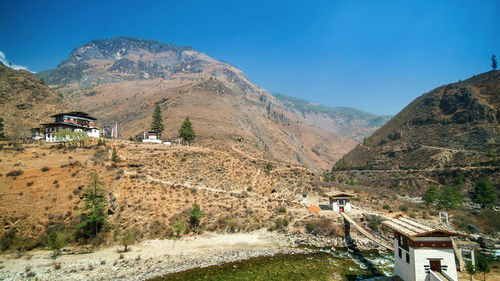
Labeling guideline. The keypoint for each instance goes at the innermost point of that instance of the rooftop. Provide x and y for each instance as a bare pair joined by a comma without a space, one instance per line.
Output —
76,114
411,228
339,194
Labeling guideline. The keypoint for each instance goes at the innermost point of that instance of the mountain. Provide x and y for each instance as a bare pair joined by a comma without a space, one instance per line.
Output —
345,121
25,101
451,130
120,80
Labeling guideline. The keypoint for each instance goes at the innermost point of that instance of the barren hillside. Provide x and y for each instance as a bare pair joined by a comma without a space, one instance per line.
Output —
119,80
25,102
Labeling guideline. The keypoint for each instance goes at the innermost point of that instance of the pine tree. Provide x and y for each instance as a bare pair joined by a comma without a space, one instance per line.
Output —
431,195
494,62
186,131
157,123
93,218
114,156
484,194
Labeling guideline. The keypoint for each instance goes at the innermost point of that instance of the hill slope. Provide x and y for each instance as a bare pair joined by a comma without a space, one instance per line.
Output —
25,102
119,80
447,135
453,125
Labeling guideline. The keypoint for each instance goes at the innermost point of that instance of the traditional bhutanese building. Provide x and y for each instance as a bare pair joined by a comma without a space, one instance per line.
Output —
75,121
422,253
340,202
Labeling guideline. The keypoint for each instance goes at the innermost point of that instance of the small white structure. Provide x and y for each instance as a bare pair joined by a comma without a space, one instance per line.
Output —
152,138
422,253
340,202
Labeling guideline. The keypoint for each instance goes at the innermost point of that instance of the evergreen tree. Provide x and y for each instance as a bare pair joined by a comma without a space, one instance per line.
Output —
93,217
2,134
471,269
431,195
157,123
114,156
451,198
484,194
186,131
195,215
483,265
494,62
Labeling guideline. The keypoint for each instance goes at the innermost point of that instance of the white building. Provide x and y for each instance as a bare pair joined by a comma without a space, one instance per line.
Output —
340,202
422,253
75,121
152,137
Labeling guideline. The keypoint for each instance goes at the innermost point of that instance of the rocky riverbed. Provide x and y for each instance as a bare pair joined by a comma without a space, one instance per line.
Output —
154,258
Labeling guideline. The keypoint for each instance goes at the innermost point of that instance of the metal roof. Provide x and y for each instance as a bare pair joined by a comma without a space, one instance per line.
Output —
411,228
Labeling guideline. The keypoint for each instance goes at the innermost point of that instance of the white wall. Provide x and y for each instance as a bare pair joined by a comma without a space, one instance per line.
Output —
94,133
401,268
423,254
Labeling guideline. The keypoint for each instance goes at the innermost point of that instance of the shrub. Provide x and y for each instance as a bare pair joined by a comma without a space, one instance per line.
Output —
403,208
374,224
100,155
195,215
282,209
14,173
126,239
269,167
323,226
386,207
280,224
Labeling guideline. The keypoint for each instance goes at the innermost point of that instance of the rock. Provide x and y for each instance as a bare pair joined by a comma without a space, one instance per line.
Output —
486,243
474,237
473,228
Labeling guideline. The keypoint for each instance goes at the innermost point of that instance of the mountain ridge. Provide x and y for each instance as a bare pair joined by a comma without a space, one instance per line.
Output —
119,80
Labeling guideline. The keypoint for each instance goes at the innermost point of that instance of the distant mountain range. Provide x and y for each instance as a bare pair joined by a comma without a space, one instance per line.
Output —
345,121
119,80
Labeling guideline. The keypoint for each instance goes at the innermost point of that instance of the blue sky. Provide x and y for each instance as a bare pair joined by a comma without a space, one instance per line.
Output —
372,55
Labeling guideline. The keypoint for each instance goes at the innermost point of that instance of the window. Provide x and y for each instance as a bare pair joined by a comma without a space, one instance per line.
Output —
407,258
400,253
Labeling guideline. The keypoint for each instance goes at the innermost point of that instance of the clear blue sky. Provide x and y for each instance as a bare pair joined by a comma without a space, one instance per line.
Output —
373,55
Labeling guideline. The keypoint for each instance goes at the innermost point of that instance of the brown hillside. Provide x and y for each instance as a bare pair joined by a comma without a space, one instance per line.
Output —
449,136
453,125
120,80
25,102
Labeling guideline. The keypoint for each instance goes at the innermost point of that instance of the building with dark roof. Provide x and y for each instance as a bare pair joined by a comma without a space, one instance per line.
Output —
75,121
